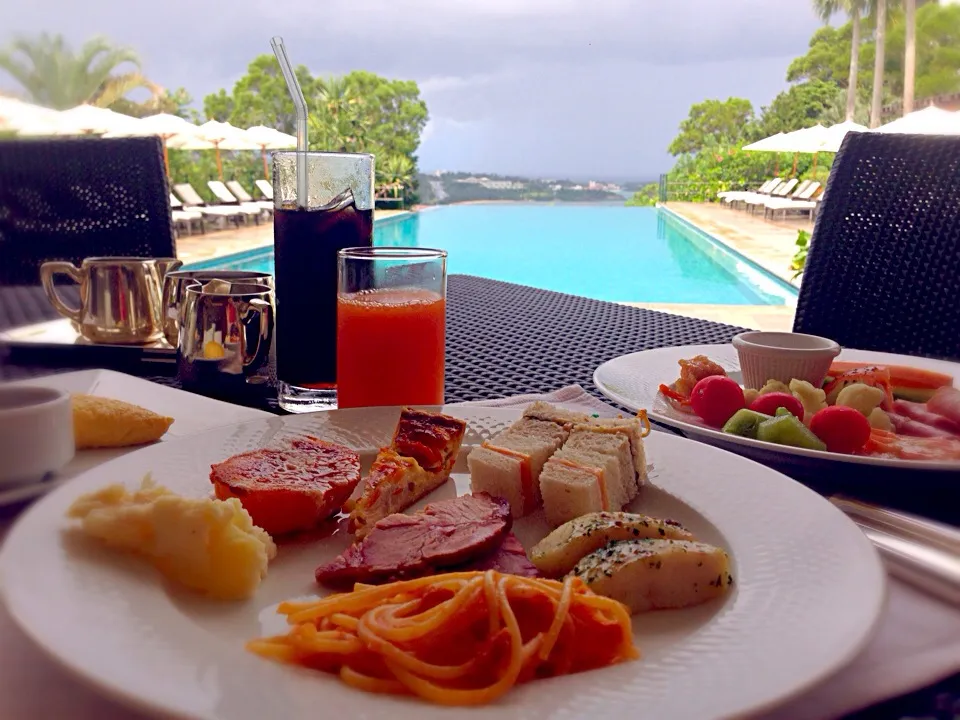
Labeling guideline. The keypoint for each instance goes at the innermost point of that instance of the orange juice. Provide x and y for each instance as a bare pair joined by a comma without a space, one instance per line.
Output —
390,347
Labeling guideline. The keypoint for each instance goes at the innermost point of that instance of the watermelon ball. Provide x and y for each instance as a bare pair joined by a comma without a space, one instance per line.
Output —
716,398
768,404
842,429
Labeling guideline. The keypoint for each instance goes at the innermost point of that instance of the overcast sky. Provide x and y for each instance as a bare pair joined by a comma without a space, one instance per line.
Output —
581,88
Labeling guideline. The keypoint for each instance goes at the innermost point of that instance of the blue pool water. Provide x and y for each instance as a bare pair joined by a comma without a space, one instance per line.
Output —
606,252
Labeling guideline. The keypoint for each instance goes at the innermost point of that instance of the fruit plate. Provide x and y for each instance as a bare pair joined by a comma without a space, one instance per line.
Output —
633,381
808,591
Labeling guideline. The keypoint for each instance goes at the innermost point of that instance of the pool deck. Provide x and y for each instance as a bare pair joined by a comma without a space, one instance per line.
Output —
769,244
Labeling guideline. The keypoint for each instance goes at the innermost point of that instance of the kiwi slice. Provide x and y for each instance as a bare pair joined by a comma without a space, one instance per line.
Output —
788,430
745,423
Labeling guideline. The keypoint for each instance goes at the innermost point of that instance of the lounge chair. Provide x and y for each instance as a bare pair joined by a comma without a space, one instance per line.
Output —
220,213
739,201
251,210
730,196
185,218
238,191
266,189
805,201
782,191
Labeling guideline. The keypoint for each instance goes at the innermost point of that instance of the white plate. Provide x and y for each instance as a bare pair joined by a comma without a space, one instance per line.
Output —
191,414
634,381
809,589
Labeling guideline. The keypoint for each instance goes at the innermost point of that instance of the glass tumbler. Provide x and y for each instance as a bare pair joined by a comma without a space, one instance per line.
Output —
391,326
308,232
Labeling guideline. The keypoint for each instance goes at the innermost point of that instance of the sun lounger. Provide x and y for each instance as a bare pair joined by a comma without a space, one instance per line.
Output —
266,189
765,189
805,201
781,192
185,218
192,201
251,210
238,191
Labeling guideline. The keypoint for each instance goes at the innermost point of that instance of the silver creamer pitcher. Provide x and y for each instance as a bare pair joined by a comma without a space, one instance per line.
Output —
119,297
225,331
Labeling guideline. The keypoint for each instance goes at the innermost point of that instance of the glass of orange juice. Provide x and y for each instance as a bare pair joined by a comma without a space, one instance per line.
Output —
391,326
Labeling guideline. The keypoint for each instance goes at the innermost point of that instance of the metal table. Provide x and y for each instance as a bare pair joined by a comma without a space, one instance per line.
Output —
505,339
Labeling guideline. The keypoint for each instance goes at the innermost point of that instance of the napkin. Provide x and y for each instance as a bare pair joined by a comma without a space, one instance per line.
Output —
917,641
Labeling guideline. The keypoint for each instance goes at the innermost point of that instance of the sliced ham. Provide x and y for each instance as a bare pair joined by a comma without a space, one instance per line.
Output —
921,413
946,403
446,534
510,558
912,428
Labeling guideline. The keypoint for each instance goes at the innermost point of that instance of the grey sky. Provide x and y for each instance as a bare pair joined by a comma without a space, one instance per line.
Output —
541,87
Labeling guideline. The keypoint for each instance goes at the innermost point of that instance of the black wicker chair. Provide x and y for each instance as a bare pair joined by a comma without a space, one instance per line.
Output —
884,264
67,199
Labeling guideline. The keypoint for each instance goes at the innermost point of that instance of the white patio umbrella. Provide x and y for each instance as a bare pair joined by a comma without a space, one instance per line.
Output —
269,138
167,127
82,120
833,138
805,140
17,115
218,136
929,121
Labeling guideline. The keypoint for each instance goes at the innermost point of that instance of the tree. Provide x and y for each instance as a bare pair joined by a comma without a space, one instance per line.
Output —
802,105
909,55
879,35
937,51
726,121
826,9
358,112
55,76
176,102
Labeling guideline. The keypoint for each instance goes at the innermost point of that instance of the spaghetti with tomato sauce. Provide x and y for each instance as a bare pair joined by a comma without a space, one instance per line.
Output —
455,639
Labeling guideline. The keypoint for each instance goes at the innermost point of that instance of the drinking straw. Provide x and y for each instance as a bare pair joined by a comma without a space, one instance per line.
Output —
300,105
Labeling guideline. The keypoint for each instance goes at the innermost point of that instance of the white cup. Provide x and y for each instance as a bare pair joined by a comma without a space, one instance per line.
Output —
36,433
784,356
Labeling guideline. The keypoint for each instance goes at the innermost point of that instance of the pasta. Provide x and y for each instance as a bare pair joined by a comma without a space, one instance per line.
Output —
454,639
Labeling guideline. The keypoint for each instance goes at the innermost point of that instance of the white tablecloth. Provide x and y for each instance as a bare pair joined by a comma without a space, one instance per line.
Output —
916,644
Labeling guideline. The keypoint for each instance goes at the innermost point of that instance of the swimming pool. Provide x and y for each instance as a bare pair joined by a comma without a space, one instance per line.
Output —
606,252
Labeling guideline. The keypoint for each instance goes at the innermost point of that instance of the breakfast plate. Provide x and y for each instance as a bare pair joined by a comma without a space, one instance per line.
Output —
633,381
807,593
192,414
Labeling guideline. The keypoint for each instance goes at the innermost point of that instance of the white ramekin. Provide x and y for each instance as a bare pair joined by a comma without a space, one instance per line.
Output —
784,356
36,433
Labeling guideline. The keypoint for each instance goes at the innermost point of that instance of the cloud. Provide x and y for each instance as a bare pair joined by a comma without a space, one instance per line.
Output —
593,86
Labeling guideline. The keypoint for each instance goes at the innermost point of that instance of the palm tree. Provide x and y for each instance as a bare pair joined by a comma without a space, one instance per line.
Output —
394,173
854,8
878,62
53,75
909,54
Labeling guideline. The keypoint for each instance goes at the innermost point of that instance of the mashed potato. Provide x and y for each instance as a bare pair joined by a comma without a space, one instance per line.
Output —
208,545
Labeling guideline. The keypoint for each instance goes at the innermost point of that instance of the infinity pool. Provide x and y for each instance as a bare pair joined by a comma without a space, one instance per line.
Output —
606,252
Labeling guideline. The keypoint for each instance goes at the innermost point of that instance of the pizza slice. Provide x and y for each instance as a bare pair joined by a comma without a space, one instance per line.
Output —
419,460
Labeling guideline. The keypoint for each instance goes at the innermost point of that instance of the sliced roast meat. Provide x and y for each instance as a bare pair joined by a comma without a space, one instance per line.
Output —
445,534
510,558
921,413
946,402
912,428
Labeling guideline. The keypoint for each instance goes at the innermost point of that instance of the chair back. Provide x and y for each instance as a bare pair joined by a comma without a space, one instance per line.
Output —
799,189
186,193
265,188
808,192
784,190
769,185
884,260
221,193
72,198
236,189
